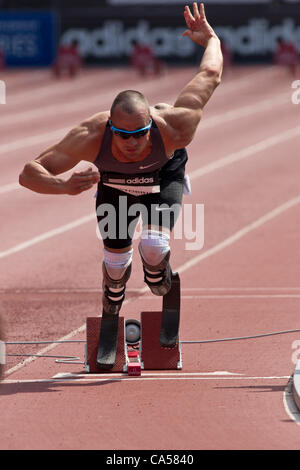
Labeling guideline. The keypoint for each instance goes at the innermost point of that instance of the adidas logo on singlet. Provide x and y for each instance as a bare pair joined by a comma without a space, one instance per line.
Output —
142,180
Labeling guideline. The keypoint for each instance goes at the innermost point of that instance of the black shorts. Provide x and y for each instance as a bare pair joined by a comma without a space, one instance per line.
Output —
118,212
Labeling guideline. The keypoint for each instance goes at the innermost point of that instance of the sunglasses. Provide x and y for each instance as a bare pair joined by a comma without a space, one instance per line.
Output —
127,134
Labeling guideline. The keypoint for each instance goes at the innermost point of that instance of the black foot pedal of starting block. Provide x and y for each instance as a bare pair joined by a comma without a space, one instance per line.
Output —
105,346
153,355
171,315
108,338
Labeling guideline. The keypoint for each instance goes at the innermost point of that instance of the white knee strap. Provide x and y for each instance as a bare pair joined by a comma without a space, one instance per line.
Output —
154,245
116,263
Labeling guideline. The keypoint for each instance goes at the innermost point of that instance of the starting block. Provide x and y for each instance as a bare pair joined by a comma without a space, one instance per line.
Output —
93,327
145,353
153,355
153,344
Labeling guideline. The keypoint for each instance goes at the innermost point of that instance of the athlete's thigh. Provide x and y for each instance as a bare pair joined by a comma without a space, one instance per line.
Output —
115,224
163,208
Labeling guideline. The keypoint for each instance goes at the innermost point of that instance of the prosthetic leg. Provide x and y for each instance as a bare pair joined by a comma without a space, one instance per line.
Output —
162,281
112,301
158,277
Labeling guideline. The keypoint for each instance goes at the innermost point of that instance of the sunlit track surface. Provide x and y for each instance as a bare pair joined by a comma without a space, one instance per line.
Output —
244,168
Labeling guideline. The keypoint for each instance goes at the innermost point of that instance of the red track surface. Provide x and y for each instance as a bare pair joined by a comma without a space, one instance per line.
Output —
229,395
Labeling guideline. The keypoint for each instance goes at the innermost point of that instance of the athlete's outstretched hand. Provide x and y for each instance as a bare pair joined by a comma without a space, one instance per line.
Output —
81,181
198,30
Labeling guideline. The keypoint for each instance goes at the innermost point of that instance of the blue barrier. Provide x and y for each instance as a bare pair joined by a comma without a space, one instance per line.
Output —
28,38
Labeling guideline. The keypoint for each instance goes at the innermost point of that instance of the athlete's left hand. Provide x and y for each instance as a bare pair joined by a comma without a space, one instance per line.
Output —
199,30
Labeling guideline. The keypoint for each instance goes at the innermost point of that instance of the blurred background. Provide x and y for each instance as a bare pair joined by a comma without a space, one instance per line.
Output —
106,31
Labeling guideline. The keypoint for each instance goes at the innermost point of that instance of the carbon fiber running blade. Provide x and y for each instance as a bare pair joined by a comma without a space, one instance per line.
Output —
107,345
171,315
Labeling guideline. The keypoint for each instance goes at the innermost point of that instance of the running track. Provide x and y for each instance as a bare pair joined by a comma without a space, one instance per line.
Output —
244,167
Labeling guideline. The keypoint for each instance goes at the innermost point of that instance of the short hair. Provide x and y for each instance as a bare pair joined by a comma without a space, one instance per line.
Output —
129,101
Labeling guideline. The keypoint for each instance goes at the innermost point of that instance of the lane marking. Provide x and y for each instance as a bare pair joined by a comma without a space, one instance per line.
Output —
240,233
245,111
235,296
6,188
45,236
97,290
140,378
66,375
246,152
47,89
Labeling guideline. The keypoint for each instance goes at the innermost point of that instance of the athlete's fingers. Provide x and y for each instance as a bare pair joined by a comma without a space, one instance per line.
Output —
196,11
189,19
90,171
84,172
202,11
85,187
86,177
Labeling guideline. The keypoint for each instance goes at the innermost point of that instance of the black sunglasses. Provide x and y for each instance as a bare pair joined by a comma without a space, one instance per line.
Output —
127,134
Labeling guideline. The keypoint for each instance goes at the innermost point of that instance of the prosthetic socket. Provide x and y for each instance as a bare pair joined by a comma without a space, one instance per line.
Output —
155,254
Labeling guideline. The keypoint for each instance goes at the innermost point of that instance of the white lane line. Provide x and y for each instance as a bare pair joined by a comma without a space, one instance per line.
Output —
97,290
30,141
246,152
241,289
6,188
245,111
47,235
219,247
235,296
112,378
240,233
67,375
52,87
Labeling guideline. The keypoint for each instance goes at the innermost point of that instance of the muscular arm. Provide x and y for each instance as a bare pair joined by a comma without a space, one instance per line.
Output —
40,175
198,91
184,117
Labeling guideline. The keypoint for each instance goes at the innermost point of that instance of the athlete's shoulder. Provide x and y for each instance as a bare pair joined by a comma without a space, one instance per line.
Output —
85,138
95,124
176,124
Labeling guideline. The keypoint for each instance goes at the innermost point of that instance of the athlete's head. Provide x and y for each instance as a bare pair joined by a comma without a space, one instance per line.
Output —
130,112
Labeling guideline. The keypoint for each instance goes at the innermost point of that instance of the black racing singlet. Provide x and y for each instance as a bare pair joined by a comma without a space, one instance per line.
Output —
135,178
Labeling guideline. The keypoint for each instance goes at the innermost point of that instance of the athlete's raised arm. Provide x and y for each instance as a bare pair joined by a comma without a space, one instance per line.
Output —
186,112
197,92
